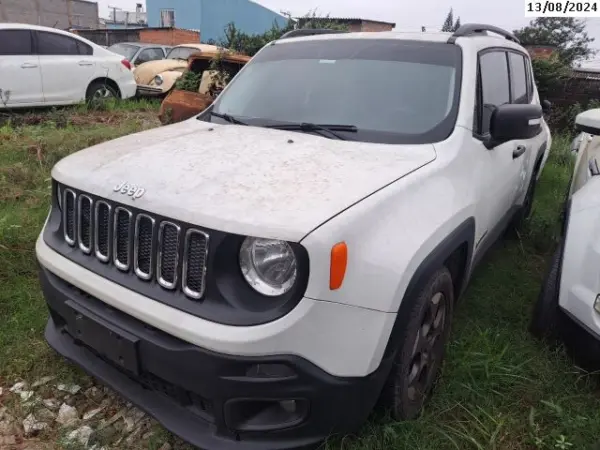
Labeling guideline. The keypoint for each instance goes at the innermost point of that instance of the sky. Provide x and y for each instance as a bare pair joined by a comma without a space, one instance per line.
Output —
408,16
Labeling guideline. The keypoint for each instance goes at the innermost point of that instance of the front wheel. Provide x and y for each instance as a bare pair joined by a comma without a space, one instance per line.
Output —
419,358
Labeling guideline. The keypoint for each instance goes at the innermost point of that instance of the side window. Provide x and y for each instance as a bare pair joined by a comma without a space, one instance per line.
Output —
530,80
518,78
56,44
15,42
84,49
495,88
149,54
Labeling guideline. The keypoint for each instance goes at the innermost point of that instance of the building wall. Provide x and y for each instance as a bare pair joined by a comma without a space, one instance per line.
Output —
212,16
368,25
51,13
169,37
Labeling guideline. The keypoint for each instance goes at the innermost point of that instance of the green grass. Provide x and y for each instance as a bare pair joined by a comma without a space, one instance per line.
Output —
500,389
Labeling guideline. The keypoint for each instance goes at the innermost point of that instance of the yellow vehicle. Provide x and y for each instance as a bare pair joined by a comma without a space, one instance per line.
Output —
157,78
183,104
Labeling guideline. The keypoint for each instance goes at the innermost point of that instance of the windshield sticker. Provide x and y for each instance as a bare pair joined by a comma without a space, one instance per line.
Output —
327,61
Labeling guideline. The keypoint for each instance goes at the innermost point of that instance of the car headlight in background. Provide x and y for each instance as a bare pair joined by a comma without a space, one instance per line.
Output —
268,265
158,80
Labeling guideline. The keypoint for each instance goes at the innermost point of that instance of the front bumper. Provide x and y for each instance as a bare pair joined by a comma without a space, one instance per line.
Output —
144,90
212,400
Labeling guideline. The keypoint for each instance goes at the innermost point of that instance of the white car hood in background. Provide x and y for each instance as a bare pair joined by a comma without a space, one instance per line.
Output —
246,180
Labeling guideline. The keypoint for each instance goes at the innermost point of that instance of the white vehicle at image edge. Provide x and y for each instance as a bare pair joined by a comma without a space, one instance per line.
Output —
293,254
41,66
568,308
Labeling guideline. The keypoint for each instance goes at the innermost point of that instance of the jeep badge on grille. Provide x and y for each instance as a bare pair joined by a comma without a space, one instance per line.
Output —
132,190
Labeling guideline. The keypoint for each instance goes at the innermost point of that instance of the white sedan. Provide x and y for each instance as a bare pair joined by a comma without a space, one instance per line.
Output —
42,66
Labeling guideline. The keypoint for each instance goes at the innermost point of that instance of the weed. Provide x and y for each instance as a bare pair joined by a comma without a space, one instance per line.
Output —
499,389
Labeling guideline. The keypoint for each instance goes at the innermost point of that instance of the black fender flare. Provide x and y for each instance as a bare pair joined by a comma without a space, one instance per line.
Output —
463,234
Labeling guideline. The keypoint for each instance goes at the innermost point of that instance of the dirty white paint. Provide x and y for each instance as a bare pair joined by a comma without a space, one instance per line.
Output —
247,180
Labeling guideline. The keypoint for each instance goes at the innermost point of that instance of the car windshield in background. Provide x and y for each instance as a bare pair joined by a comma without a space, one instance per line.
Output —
182,53
392,91
126,50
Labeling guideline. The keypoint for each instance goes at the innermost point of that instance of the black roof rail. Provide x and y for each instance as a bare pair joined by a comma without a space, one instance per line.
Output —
470,29
310,32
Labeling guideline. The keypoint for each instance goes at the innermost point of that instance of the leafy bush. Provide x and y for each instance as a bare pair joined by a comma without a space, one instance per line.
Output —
189,81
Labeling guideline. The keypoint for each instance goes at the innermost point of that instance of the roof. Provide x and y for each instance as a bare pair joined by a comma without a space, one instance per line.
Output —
349,19
141,44
414,36
201,47
229,57
132,28
475,41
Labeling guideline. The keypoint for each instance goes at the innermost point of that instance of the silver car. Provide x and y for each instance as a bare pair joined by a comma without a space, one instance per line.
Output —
138,53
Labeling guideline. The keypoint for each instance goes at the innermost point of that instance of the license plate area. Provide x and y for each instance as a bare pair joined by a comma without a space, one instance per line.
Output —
110,342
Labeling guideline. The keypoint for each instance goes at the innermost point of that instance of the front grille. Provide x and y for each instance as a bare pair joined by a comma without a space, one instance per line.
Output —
137,243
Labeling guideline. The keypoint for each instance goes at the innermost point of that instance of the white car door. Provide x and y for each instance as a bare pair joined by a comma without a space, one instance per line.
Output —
20,76
500,174
68,67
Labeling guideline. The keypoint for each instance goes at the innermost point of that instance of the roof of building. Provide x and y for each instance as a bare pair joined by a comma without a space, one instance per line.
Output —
350,19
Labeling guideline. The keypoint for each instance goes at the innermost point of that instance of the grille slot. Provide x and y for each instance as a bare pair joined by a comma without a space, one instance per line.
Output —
84,223
195,255
122,238
102,230
143,246
69,201
158,251
168,254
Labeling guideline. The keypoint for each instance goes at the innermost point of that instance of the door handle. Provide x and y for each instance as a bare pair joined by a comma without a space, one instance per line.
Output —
28,66
86,63
518,151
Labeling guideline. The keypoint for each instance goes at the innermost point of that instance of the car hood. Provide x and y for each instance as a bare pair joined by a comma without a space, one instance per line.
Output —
245,180
145,73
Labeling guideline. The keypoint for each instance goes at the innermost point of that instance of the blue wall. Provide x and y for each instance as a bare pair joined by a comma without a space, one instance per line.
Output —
212,16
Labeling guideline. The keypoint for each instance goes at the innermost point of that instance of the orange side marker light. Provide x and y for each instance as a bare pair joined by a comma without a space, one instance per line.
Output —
339,261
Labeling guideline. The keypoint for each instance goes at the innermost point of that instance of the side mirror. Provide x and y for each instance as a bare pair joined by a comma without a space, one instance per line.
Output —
514,121
546,106
588,121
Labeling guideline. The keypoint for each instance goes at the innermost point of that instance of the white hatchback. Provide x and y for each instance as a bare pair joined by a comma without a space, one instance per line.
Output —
41,66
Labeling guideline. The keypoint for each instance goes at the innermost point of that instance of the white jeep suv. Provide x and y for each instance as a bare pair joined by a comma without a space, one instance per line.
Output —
259,276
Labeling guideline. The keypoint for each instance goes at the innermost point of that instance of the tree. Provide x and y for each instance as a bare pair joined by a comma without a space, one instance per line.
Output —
236,40
566,34
449,24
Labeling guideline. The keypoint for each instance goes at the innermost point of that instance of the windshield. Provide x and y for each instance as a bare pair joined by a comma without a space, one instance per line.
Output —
393,91
126,50
181,52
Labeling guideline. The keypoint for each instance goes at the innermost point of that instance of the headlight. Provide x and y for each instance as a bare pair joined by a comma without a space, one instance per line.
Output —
59,193
268,265
158,80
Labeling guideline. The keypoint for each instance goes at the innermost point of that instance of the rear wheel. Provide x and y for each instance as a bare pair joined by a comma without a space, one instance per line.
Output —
524,212
547,319
99,91
419,358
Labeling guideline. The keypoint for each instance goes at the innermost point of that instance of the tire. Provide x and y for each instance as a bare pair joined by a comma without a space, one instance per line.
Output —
520,218
547,319
419,358
100,90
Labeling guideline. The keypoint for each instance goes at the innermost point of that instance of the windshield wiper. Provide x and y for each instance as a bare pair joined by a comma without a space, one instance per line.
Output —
331,129
228,118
